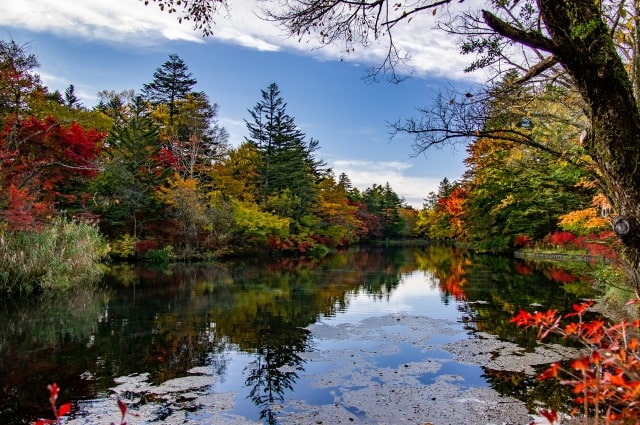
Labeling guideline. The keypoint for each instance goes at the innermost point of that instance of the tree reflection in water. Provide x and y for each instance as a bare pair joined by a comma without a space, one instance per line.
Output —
275,368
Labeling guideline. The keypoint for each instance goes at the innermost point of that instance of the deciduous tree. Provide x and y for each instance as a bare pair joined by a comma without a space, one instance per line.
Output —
45,165
186,204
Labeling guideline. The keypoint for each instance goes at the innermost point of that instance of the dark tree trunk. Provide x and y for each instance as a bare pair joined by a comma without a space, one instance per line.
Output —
582,43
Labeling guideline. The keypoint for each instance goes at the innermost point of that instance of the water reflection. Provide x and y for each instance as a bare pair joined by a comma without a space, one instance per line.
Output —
165,323
275,368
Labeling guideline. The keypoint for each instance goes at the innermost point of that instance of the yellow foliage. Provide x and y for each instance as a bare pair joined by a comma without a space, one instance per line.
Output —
508,200
600,201
583,221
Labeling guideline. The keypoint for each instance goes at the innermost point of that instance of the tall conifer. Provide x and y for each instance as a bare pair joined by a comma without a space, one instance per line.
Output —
287,165
171,82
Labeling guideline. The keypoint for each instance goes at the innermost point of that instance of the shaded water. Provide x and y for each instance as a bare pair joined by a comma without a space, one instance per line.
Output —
251,324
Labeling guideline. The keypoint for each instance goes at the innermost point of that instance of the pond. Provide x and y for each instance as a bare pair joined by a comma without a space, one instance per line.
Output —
369,335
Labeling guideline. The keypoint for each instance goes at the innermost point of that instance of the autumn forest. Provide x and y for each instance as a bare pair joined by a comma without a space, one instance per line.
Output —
148,173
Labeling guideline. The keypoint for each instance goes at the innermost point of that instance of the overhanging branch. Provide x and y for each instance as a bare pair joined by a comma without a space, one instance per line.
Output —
528,38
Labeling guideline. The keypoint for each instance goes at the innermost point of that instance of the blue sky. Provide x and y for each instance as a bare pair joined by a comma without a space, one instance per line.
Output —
118,44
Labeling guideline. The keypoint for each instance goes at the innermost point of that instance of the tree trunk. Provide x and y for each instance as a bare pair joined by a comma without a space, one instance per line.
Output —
584,46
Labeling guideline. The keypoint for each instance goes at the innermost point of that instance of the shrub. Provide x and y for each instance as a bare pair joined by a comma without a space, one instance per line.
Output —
562,238
606,375
160,256
61,255
124,247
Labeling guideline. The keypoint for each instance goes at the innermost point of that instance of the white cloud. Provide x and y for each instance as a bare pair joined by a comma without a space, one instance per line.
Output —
236,128
364,174
51,79
118,21
129,21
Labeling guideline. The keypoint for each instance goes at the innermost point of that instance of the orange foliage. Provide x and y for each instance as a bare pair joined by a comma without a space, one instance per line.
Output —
607,379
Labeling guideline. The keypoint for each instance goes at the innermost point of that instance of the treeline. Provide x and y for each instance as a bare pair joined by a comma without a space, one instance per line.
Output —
517,193
155,173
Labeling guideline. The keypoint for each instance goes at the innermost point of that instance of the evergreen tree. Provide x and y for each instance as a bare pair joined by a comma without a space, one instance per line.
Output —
345,181
383,203
171,82
287,167
70,98
134,166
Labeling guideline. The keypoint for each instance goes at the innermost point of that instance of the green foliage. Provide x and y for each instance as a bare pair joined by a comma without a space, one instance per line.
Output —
286,159
63,255
384,203
134,166
171,83
284,204
255,226
513,188
161,257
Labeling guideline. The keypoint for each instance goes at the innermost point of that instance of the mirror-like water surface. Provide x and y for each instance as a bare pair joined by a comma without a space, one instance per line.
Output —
265,341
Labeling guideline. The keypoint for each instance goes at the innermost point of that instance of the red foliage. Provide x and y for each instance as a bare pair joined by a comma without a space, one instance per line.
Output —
522,241
551,416
599,245
43,161
166,158
144,246
562,238
58,413
21,211
64,410
607,378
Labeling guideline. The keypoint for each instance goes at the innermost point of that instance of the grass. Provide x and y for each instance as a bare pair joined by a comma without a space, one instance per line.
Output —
61,256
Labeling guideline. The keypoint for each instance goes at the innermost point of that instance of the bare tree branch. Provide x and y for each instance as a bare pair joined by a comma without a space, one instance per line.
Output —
542,66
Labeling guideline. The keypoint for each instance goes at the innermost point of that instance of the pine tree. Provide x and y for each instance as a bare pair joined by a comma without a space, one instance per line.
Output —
287,167
171,82
134,166
70,98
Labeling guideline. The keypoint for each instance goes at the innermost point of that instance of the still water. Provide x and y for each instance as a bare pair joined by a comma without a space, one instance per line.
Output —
256,328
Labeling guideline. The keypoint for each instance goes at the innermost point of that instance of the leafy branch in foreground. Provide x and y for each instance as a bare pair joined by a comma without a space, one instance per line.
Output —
606,376
57,412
